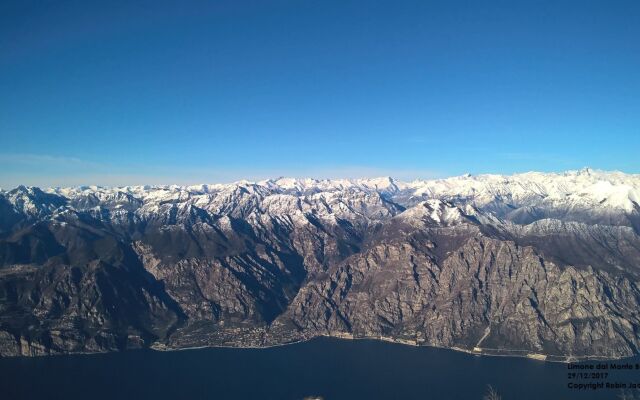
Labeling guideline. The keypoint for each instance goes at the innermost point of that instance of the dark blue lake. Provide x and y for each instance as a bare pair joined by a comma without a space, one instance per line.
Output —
331,368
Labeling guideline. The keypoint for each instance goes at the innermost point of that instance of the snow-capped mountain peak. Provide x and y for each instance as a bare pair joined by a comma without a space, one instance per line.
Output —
586,195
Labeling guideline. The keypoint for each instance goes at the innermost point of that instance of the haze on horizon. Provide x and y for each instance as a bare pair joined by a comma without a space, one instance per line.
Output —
203,92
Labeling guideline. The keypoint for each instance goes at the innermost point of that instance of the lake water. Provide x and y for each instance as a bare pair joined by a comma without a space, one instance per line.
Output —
331,368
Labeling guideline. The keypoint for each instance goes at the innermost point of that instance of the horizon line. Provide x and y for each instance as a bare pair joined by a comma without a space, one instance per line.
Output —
583,170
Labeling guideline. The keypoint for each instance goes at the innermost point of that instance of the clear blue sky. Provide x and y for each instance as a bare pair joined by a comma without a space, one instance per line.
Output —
128,92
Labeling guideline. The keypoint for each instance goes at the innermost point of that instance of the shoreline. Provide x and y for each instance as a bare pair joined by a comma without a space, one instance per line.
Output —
476,351
526,354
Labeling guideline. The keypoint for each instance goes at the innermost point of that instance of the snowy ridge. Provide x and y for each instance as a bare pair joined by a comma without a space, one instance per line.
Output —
616,189
593,197
597,188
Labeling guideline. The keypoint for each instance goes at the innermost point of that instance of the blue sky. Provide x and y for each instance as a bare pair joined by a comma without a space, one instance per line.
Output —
155,92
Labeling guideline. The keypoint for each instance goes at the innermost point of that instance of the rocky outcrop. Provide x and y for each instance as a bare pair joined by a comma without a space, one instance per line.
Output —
497,291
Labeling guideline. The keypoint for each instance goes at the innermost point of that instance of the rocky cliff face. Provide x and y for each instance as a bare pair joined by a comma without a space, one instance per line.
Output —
532,263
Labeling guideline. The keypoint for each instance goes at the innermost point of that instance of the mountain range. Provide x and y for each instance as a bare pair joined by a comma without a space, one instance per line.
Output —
538,264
